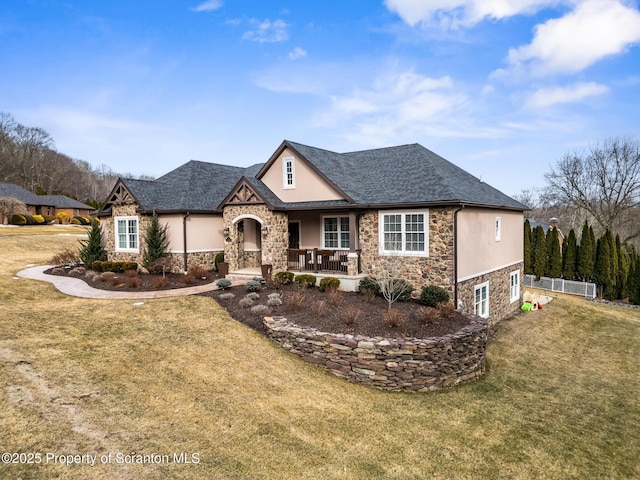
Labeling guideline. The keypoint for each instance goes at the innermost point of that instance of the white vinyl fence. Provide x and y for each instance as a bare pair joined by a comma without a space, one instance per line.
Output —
588,290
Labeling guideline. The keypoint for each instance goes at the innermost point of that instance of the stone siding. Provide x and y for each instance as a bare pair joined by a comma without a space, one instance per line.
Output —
500,305
436,269
407,364
176,259
274,242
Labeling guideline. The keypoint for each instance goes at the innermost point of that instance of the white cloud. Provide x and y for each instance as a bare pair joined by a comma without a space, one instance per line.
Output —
547,97
404,105
268,32
455,13
208,6
594,30
297,53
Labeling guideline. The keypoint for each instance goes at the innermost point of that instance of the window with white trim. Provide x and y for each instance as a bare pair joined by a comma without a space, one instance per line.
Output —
498,228
288,173
514,286
335,232
404,233
126,229
481,300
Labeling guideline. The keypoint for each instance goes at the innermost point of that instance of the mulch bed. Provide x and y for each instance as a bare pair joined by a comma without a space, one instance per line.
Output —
331,319
145,282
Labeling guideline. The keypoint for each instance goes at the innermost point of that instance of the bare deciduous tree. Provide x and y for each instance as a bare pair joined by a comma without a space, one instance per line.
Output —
604,182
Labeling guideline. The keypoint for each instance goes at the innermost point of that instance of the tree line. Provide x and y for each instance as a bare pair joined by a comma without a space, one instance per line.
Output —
28,158
605,261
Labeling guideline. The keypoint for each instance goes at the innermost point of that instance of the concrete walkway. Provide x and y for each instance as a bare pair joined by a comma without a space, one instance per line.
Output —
79,288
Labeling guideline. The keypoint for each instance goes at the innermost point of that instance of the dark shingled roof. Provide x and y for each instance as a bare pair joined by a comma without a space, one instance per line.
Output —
28,198
407,174
404,175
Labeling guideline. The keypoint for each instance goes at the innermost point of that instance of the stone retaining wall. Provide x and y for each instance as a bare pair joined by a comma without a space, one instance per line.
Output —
408,364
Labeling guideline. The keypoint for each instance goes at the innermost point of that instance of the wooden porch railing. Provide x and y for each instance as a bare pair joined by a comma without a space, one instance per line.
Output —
318,260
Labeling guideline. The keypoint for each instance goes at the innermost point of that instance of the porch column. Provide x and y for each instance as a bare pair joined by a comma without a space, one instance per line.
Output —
352,257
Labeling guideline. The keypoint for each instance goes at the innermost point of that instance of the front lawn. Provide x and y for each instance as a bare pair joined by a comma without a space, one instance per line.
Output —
559,400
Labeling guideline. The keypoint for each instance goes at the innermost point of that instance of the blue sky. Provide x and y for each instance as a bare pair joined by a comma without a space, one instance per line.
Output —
502,88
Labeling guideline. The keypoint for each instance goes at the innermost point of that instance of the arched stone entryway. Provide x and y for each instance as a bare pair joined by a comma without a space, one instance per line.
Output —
273,234
248,240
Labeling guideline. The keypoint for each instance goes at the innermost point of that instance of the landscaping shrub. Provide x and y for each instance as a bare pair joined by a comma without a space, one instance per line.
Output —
252,295
127,266
65,257
18,219
305,280
445,309
77,272
63,217
369,284
329,283
351,315
283,278
223,283
335,297
57,271
393,318
187,279
97,265
317,307
260,310
198,271
294,300
78,220
48,218
39,219
426,315
156,243
75,221
432,295
131,279
226,296
253,285
274,299
92,249
159,282
30,219
218,259
107,276
400,289
246,302
90,275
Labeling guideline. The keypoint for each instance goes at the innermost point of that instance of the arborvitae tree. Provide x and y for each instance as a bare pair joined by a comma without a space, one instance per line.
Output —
586,254
634,278
554,255
91,249
623,269
540,252
156,242
527,248
570,256
602,269
613,293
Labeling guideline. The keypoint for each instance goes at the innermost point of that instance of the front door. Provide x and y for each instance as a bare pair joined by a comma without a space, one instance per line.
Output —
294,234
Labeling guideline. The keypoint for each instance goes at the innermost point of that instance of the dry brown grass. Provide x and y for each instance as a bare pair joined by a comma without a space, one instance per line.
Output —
559,400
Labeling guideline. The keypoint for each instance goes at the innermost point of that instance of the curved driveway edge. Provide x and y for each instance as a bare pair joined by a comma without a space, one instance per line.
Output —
79,288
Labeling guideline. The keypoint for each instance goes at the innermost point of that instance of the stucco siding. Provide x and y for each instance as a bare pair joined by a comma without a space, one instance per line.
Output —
478,250
308,185
204,232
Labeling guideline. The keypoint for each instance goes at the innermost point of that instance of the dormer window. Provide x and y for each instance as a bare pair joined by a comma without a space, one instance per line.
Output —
288,173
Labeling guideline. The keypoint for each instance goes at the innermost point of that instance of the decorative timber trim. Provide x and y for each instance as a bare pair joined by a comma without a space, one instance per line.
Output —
120,195
243,194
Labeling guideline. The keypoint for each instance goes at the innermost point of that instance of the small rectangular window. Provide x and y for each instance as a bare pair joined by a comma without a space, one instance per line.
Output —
514,286
126,234
481,300
335,232
498,228
288,173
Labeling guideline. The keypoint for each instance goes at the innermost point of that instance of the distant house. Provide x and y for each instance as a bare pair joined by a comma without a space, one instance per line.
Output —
49,205
546,226
346,215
